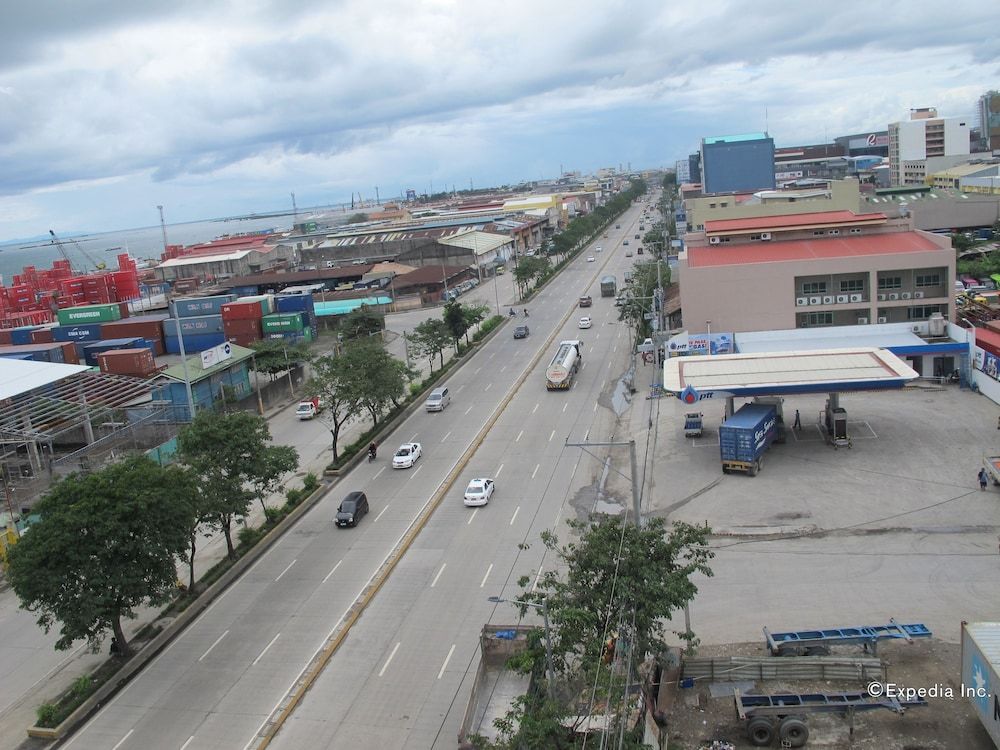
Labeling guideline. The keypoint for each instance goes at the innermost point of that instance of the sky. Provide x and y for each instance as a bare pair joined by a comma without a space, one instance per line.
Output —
109,108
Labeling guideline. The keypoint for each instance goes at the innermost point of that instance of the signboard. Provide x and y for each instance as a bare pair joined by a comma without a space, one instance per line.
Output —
987,363
215,355
701,343
872,140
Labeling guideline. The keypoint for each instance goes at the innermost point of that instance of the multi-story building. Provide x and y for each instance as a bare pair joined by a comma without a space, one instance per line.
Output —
737,163
989,120
824,161
865,144
833,268
682,168
925,144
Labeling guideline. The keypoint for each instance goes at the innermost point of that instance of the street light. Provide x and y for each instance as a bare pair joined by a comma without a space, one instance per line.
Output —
544,606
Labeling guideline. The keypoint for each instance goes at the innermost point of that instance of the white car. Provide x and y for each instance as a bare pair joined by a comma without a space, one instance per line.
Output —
591,258
599,248
586,323
479,492
406,456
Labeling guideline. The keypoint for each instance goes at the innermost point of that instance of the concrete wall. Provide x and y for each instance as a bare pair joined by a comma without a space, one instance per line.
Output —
844,196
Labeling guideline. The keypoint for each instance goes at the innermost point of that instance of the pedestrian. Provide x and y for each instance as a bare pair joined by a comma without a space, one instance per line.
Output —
797,425
983,478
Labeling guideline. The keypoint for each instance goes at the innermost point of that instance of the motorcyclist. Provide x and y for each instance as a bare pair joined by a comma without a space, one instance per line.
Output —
526,312
512,313
372,450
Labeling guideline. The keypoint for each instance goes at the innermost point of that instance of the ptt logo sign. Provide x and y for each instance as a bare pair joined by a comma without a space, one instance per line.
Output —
690,396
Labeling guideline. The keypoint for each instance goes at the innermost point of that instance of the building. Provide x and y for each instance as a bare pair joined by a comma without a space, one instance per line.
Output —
989,120
737,163
925,144
814,270
682,168
489,250
825,161
865,144
953,177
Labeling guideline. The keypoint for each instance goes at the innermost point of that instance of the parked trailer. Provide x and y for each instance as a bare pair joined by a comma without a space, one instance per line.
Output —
981,673
693,424
992,465
564,366
746,436
783,716
818,642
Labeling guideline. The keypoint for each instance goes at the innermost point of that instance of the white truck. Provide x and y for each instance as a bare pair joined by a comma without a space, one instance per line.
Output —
309,408
564,365
981,673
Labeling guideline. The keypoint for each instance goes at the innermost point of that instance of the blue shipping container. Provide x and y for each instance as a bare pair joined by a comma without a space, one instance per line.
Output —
294,302
19,355
192,326
86,332
246,291
90,351
22,335
193,342
748,433
199,306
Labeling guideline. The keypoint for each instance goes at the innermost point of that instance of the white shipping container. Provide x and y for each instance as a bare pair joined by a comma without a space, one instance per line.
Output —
981,672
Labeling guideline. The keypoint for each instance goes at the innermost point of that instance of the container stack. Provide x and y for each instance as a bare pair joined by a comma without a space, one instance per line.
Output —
138,363
90,351
149,327
292,327
242,319
55,353
303,303
200,333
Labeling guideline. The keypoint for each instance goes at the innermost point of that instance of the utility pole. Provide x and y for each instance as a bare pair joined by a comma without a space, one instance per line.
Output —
163,228
378,201
634,467
295,209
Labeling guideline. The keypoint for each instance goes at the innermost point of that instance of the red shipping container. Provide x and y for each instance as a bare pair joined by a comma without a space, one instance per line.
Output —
242,311
151,330
5,336
41,336
70,354
127,362
241,327
243,339
123,306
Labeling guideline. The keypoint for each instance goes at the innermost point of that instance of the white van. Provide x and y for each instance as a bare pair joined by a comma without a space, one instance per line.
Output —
438,400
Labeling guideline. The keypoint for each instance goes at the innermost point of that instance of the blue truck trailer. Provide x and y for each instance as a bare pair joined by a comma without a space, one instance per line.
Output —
746,436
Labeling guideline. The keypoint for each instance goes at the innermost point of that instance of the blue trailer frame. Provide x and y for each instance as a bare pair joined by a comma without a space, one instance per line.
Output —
814,642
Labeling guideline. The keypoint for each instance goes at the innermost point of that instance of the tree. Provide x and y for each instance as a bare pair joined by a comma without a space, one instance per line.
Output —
358,218
361,323
455,320
333,383
430,338
376,377
639,296
273,356
107,542
230,455
474,315
529,269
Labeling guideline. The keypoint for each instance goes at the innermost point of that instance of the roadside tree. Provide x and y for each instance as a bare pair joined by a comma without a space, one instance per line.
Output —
333,382
474,315
273,357
107,542
361,323
454,318
430,338
376,377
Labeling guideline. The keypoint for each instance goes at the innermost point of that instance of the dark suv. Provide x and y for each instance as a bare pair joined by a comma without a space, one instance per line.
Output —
521,332
352,508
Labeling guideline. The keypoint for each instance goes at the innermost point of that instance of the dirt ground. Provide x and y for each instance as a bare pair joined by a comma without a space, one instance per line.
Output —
943,724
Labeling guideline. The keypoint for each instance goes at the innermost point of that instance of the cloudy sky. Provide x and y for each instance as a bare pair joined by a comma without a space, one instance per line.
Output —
217,107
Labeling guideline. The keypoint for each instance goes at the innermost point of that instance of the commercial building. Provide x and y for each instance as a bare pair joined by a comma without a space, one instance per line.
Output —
989,120
826,161
737,163
864,144
812,270
953,177
925,144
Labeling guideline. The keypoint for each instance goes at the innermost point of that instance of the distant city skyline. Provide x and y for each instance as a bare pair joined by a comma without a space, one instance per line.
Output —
111,108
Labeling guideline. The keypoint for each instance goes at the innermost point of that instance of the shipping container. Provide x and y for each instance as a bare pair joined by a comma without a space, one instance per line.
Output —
22,335
70,353
90,351
41,352
138,362
244,291
42,335
981,673
294,303
242,311
26,356
745,436
199,306
5,336
266,302
241,327
198,325
90,314
280,322
193,342
77,333
150,327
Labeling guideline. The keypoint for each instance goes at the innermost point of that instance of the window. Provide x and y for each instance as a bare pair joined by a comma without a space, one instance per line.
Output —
754,236
818,233
890,282
855,230
814,287
930,279
819,319
852,285
922,313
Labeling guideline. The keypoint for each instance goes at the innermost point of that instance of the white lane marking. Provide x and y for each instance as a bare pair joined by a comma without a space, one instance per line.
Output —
595,407
446,660
213,645
446,436
416,471
468,410
460,388
261,656
488,571
503,368
535,471
488,386
285,570
386,665
190,740
516,511
477,370
380,514
122,740
552,435
538,577
378,472
498,471
469,522
414,438
518,436
434,582
614,349
535,409
597,337
492,355
332,571
564,407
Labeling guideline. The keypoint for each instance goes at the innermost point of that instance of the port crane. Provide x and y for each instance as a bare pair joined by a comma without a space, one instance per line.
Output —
61,245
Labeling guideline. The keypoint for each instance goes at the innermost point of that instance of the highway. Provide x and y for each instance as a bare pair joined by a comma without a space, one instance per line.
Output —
403,673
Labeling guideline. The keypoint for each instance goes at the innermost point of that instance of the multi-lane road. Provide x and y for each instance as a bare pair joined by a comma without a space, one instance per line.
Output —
402,675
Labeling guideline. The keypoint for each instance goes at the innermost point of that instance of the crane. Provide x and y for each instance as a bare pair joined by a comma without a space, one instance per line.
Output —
99,265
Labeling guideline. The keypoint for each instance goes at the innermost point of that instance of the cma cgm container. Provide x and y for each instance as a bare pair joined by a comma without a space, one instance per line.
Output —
745,436
90,351
90,332
197,306
981,673
91,314
137,362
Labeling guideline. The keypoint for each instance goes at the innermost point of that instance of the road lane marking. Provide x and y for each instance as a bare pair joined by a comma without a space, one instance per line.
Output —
595,407
492,355
190,740
446,660
498,471
380,514
446,436
416,471
535,471
213,645
378,472
614,349
488,571
261,656
434,582
477,370
552,435
386,665
535,409
460,388
414,438
503,368
538,577
467,523
597,337
488,386
468,410
518,436
564,407
122,740
332,571
285,570
516,511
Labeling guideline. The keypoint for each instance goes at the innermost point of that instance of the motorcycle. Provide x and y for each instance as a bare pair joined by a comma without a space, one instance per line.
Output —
371,454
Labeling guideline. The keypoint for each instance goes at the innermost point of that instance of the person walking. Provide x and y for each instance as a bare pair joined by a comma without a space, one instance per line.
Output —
983,478
797,425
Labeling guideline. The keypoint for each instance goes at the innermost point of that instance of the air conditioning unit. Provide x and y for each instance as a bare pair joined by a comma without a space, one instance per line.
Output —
834,231
828,299
918,295
856,297
893,296
714,240
841,299
862,321
815,300
915,329
883,319
904,295
765,236
801,301
881,297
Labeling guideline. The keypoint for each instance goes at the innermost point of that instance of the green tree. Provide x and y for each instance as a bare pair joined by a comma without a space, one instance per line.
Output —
107,542
960,242
530,269
376,377
231,456
358,218
455,320
429,339
273,356
639,296
333,383
473,315
361,323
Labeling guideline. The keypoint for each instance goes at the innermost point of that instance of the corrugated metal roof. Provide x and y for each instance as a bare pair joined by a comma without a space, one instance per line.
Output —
23,376
817,249
793,221
881,335
195,371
